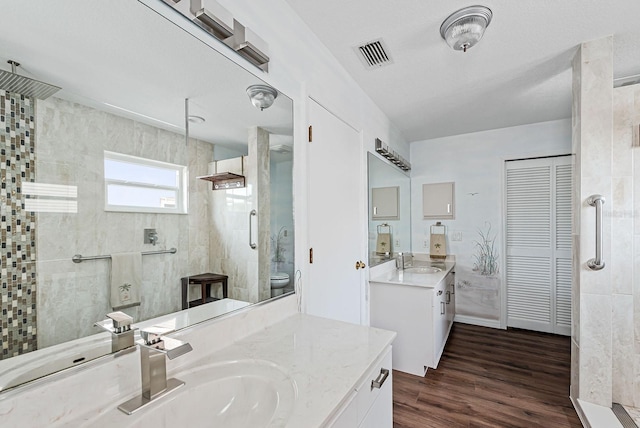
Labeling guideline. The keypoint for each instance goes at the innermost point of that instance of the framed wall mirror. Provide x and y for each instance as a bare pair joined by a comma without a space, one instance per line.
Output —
104,205
389,210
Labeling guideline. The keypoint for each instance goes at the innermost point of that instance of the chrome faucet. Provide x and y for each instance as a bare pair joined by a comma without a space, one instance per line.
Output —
121,329
404,260
154,346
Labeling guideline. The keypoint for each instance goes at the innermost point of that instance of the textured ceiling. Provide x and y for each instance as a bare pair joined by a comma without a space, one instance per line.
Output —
519,73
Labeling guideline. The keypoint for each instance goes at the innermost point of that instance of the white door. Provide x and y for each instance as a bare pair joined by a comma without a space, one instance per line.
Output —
335,288
538,231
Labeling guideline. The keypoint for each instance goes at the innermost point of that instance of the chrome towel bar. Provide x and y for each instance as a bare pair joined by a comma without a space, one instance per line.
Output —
597,201
79,258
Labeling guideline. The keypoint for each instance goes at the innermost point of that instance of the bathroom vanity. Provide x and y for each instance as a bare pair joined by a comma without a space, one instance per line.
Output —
419,304
297,371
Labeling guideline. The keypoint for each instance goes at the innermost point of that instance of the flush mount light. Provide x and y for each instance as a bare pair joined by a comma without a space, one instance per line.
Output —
262,96
464,28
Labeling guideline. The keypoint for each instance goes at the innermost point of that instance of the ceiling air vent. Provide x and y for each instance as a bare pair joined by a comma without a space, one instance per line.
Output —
374,54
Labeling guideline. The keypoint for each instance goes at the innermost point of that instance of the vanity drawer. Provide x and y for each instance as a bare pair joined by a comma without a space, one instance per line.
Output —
368,393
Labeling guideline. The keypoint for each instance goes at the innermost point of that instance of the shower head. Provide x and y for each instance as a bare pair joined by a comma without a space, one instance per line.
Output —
13,82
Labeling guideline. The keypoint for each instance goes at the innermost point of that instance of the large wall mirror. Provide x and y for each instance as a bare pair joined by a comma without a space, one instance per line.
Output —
107,170
389,210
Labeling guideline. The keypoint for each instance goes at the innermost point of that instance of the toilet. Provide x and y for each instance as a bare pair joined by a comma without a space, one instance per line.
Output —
279,280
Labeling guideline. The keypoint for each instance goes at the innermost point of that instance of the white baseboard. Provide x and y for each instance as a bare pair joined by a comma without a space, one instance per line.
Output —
482,322
595,416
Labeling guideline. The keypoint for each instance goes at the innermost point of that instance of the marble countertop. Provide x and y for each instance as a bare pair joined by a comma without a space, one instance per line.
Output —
326,358
427,280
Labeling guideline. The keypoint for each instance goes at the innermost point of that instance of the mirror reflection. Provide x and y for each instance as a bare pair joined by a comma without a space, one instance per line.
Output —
148,184
389,210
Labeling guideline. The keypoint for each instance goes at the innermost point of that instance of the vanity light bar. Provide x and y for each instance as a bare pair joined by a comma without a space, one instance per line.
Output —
219,22
392,156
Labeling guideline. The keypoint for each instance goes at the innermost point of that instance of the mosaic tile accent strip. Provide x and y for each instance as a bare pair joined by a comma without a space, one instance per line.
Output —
17,226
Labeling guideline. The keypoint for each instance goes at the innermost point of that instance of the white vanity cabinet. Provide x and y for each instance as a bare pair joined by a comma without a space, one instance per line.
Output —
370,405
421,315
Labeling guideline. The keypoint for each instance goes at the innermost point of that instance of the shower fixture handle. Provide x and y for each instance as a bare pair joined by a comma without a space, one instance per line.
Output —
597,201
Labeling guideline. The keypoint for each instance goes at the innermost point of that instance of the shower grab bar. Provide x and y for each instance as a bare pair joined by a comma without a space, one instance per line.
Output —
597,201
252,244
78,258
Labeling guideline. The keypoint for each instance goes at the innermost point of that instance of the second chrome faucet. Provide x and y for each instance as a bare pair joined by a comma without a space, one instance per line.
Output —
154,347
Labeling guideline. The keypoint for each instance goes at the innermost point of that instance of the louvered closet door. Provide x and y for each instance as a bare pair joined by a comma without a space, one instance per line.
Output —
538,231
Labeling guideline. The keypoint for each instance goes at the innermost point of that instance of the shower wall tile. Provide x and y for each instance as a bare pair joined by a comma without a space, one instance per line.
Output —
229,220
622,258
74,138
259,149
576,123
594,174
626,251
622,344
18,311
595,349
575,295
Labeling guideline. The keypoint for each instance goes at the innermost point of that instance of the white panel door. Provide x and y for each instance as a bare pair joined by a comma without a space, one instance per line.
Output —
336,231
538,231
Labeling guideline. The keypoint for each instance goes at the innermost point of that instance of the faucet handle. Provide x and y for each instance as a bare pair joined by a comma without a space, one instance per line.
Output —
153,338
121,321
153,334
116,323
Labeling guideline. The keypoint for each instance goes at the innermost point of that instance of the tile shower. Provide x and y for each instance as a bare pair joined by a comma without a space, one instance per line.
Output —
18,271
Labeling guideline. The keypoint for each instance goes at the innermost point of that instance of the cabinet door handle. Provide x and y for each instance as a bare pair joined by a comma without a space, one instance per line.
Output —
441,308
382,377
448,208
448,297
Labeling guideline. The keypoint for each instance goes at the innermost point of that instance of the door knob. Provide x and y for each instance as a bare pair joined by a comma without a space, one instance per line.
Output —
360,265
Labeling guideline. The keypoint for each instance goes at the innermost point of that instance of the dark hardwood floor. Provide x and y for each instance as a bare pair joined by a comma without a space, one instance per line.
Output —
490,378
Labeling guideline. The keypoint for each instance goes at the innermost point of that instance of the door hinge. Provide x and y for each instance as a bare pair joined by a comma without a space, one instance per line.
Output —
310,255
310,133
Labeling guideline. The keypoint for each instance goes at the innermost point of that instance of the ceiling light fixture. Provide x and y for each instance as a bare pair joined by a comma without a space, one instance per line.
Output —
262,96
464,28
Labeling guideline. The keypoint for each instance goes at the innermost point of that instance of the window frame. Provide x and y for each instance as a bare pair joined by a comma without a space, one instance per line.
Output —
181,189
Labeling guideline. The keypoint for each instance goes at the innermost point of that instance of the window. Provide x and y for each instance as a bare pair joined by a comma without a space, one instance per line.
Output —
134,184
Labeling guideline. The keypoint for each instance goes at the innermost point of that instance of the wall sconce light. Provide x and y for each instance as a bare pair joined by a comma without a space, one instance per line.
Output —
213,18
249,46
392,156
262,96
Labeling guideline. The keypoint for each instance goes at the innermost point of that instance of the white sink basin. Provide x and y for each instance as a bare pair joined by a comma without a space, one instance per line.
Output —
246,393
423,269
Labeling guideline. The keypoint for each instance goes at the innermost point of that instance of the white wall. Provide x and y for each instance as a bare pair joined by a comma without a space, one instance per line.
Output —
475,162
